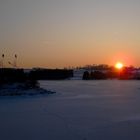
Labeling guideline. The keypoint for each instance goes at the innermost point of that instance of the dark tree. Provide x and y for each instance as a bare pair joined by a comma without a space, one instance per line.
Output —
86,75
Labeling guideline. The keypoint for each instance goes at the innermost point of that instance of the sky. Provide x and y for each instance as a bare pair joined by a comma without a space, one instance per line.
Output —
63,33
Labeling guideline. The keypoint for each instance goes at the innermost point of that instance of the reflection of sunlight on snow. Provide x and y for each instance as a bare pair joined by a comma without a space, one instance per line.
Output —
131,118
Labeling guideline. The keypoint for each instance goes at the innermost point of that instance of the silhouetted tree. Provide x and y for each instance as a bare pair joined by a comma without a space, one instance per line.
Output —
91,75
99,75
86,75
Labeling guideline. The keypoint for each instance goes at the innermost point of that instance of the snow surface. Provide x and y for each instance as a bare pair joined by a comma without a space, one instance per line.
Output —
80,110
19,89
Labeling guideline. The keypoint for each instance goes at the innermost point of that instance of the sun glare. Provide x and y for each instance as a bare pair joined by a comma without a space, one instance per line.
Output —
119,65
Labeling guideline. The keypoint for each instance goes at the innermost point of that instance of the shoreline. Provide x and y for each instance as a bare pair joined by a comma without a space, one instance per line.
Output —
18,89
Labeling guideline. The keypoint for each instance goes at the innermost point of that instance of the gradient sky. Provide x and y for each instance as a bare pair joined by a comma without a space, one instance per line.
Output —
62,33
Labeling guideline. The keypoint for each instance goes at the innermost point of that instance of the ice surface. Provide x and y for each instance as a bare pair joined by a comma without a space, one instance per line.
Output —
19,89
80,110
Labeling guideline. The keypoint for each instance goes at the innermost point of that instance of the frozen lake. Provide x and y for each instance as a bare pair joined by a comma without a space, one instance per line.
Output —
80,110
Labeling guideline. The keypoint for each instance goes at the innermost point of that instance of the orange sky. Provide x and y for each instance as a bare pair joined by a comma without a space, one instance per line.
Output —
60,33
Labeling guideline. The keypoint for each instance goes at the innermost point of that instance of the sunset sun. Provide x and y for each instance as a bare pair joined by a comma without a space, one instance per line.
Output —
119,65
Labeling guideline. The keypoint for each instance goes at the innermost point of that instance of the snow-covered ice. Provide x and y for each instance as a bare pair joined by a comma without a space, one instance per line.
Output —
19,89
79,110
